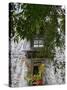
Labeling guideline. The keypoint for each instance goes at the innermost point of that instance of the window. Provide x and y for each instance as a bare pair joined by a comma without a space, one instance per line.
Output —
38,43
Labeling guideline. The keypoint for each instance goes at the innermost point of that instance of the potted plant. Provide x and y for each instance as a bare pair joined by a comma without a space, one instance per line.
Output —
37,78
29,79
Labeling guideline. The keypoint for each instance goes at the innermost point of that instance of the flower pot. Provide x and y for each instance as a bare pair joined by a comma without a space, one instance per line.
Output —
39,82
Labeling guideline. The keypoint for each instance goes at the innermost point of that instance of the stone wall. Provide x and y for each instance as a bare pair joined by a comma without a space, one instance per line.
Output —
55,70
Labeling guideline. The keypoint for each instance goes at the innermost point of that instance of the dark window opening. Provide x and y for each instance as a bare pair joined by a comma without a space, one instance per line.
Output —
35,70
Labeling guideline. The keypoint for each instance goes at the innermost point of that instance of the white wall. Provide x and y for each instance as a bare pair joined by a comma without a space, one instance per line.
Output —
50,77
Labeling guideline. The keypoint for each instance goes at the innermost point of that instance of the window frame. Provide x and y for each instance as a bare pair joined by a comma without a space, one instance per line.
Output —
38,44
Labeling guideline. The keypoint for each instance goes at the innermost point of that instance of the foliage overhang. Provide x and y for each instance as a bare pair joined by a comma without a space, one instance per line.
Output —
41,21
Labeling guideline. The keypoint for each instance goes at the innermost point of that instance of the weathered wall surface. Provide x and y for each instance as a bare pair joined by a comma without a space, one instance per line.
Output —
55,71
